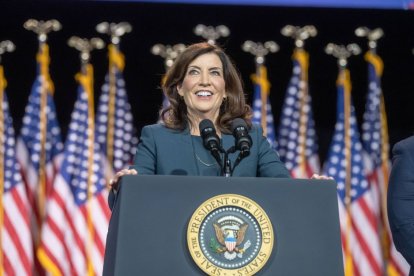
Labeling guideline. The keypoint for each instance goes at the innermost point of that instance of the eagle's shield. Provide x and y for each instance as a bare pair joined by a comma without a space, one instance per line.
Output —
230,243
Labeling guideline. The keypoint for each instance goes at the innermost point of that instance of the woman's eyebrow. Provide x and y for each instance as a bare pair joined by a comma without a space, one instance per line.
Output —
193,66
199,68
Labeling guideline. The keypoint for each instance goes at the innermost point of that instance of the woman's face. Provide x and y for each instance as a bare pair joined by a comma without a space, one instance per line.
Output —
203,87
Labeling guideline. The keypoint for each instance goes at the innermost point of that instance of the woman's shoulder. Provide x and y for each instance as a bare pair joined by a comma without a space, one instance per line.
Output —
156,127
256,128
159,128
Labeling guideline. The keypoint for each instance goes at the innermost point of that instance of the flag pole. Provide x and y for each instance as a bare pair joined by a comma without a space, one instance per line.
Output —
300,35
169,53
344,80
116,63
372,58
259,50
376,62
42,28
342,53
5,46
85,78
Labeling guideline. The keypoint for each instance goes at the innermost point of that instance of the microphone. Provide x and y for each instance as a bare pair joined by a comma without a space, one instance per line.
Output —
211,141
241,134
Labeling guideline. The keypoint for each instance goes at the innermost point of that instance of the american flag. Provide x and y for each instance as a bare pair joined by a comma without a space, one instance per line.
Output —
359,230
262,110
377,162
39,145
16,251
74,232
115,129
297,144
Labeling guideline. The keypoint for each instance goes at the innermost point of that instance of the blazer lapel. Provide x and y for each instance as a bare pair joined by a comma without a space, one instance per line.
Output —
188,152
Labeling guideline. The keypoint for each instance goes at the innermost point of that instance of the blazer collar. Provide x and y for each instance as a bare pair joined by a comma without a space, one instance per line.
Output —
227,141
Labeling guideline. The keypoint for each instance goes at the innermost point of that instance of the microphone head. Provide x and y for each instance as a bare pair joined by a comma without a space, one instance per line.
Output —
238,122
208,132
241,134
206,125
211,141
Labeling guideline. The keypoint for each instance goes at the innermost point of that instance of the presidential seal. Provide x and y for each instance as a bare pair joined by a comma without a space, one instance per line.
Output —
230,235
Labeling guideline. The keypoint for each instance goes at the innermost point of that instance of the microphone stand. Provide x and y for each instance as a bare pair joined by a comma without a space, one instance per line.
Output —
225,166
239,158
227,170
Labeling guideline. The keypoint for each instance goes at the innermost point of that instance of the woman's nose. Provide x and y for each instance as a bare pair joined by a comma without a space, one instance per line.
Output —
205,79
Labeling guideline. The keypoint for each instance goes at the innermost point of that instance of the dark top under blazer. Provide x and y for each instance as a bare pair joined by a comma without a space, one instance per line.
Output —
165,151
401,199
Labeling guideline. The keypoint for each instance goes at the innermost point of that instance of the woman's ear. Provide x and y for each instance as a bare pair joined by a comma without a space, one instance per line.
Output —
180,92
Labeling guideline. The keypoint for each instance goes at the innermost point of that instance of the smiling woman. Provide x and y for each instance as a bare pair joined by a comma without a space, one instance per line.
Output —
202,84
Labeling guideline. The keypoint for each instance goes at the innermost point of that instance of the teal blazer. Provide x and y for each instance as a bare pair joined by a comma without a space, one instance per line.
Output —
164,151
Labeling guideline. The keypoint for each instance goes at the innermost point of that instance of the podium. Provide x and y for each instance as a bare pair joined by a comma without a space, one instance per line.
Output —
147,233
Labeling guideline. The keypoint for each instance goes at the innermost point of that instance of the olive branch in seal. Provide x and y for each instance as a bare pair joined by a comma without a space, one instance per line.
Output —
215,246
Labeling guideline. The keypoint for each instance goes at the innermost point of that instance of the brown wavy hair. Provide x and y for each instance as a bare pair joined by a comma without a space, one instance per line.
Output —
234,105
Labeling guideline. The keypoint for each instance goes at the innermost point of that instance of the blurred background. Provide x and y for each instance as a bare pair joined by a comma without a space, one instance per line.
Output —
58,220
171,23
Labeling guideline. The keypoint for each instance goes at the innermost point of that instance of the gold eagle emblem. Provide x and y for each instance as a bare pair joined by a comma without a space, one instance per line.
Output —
230,239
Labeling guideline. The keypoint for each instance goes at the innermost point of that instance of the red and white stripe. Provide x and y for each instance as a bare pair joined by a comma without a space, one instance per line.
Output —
15,234
31,181
310,167
363,237
397,260
378,181
230,245
65,233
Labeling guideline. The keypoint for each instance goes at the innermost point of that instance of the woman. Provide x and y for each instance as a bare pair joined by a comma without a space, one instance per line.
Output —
202,84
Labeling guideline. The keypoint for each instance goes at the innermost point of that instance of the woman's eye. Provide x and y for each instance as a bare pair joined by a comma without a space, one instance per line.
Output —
215,73
192,72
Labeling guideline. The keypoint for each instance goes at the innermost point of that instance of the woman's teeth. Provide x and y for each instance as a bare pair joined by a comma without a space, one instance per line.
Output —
204,93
